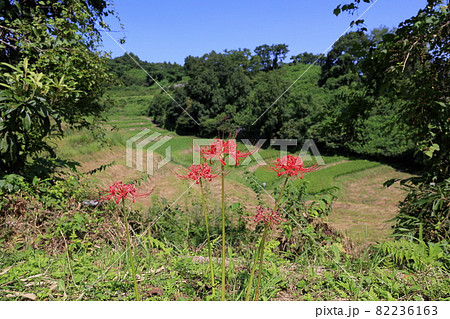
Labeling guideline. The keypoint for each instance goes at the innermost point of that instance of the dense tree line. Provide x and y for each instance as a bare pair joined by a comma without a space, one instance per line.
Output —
232,91
410,69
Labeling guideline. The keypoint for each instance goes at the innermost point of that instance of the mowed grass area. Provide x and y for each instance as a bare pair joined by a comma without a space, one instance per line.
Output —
359,180
364,208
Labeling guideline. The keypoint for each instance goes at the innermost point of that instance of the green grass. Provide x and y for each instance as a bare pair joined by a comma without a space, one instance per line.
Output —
168,273
323,179
130,101
81,143
85,142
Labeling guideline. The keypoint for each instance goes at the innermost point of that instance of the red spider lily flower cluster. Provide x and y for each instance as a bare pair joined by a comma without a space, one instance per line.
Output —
199,171
120,191
219,149
266,216
291,166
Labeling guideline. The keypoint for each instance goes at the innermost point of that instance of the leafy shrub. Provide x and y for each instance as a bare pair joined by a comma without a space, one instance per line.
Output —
11,183
416,255
427,206
304,227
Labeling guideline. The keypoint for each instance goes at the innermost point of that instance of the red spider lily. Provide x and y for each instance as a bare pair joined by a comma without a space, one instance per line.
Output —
120,191
199,171
266,216
215,150
220,149
291,166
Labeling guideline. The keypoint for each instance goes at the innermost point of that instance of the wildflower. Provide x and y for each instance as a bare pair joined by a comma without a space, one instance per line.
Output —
219,149
199,171
267,216
119,191
291,166
215,150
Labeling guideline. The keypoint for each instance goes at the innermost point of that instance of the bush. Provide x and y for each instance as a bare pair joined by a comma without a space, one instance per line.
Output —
427,205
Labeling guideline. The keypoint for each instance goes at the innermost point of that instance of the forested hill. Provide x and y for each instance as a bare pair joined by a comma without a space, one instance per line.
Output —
248,91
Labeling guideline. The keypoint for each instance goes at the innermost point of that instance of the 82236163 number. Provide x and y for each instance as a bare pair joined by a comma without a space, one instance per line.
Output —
406,310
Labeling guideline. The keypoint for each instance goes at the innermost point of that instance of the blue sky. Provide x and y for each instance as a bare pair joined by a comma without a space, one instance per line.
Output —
170,30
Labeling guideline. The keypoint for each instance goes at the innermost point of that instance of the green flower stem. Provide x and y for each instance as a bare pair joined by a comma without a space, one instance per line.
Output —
261,249
223,232
209,239
261,258
277,203
252,273
130,254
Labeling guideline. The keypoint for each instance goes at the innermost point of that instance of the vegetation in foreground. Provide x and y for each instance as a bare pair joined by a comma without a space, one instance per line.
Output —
60,248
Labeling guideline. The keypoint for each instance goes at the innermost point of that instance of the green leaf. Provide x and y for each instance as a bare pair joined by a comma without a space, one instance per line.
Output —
12,147
61,285
6,85
26,121
12,107
235,206
4,144
322,205
25,64
42,111
431,150
11,66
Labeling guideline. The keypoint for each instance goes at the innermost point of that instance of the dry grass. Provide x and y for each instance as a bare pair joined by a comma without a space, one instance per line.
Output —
364,206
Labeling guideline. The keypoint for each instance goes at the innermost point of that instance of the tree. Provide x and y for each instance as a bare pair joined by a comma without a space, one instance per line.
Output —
416,60
355,119
131,70
342,66
269,116
271,56
54,74
309,58
219,84
352,7
414,63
